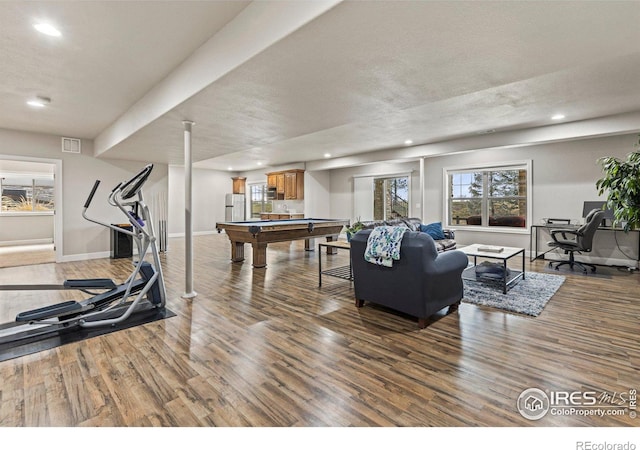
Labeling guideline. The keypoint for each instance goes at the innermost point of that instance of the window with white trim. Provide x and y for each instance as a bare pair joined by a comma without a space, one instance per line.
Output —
488,196
390,198
26,193
259,201
382,197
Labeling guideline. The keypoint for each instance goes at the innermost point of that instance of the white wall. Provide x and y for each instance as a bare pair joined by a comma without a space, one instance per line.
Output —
82,239
209,188
342,189
317,195
564,176
26,229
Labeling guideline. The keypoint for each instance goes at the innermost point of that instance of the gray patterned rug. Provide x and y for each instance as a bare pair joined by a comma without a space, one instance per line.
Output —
528,297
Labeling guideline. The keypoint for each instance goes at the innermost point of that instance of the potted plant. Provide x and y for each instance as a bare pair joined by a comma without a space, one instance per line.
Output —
621,182
353,229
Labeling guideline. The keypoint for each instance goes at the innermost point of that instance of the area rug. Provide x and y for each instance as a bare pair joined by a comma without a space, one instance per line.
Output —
528,296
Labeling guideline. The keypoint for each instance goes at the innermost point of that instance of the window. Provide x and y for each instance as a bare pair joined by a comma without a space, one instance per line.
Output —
24,193
489,197
259,202
390,198
381,197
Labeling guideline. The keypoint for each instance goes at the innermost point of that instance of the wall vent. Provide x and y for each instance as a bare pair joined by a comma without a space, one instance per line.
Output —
70,145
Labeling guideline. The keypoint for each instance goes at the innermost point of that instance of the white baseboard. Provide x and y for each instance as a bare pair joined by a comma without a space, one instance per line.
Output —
85,256
27,242
195,233
95,255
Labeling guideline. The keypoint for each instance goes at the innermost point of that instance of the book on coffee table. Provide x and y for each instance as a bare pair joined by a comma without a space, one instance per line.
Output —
490,248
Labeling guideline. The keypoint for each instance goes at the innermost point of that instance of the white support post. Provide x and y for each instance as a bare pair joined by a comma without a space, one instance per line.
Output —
422,184
188,226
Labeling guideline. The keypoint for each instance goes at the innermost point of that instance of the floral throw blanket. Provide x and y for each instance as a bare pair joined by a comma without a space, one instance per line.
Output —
383,245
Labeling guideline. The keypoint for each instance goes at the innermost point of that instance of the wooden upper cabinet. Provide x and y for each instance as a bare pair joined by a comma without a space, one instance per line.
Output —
280,183
294,185
239,185
289,184
272,180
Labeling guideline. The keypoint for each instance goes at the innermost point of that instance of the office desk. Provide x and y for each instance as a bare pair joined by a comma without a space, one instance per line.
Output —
534,249
261,232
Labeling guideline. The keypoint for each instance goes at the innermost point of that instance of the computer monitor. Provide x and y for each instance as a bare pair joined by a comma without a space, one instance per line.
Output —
608,214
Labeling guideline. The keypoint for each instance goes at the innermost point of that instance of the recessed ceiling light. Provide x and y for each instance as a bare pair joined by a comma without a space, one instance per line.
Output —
39,102
558,117
229,168
327,155
48,29
408,142
259,163
35,103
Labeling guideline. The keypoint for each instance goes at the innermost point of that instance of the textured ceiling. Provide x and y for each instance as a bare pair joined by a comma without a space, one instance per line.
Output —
110,54
362,76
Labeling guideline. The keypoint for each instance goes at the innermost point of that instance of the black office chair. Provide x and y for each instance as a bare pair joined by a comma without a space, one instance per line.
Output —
580,240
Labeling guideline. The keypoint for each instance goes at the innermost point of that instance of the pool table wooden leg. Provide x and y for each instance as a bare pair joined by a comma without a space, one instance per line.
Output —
259,255
237,251
332,250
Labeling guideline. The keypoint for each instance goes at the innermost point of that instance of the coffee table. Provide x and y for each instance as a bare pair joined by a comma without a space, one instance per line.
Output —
491,252
344,272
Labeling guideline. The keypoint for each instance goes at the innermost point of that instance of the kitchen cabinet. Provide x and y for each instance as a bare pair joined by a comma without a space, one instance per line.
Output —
294,185
289,184
280,183
239,185
278,216
272,180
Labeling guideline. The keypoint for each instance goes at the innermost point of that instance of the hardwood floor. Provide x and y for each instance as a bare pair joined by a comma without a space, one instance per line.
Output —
24,255
268,347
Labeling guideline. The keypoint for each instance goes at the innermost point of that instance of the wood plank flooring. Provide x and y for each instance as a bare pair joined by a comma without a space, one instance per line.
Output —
24,255
268,347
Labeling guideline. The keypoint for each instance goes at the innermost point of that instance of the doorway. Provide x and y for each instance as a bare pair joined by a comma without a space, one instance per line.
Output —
30,210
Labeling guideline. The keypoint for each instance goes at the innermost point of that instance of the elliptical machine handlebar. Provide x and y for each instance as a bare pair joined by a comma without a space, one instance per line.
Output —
113,201
116,188
93,192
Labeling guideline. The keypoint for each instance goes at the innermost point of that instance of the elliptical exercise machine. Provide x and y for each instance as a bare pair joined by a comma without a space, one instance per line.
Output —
144,289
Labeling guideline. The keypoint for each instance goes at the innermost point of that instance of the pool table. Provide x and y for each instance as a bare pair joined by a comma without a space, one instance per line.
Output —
261,232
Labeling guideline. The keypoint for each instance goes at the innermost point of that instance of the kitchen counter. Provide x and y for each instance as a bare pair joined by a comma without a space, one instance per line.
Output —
281,215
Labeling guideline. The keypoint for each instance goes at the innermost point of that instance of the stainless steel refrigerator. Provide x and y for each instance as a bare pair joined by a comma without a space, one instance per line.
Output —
234,208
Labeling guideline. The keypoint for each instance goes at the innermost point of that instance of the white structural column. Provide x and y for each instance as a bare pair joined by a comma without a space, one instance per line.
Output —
188,225
422,196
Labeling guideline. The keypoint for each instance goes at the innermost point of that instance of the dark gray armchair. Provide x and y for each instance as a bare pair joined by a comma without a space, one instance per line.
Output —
580,240
419,284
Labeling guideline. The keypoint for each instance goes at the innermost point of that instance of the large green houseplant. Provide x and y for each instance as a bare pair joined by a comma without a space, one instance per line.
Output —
621,183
